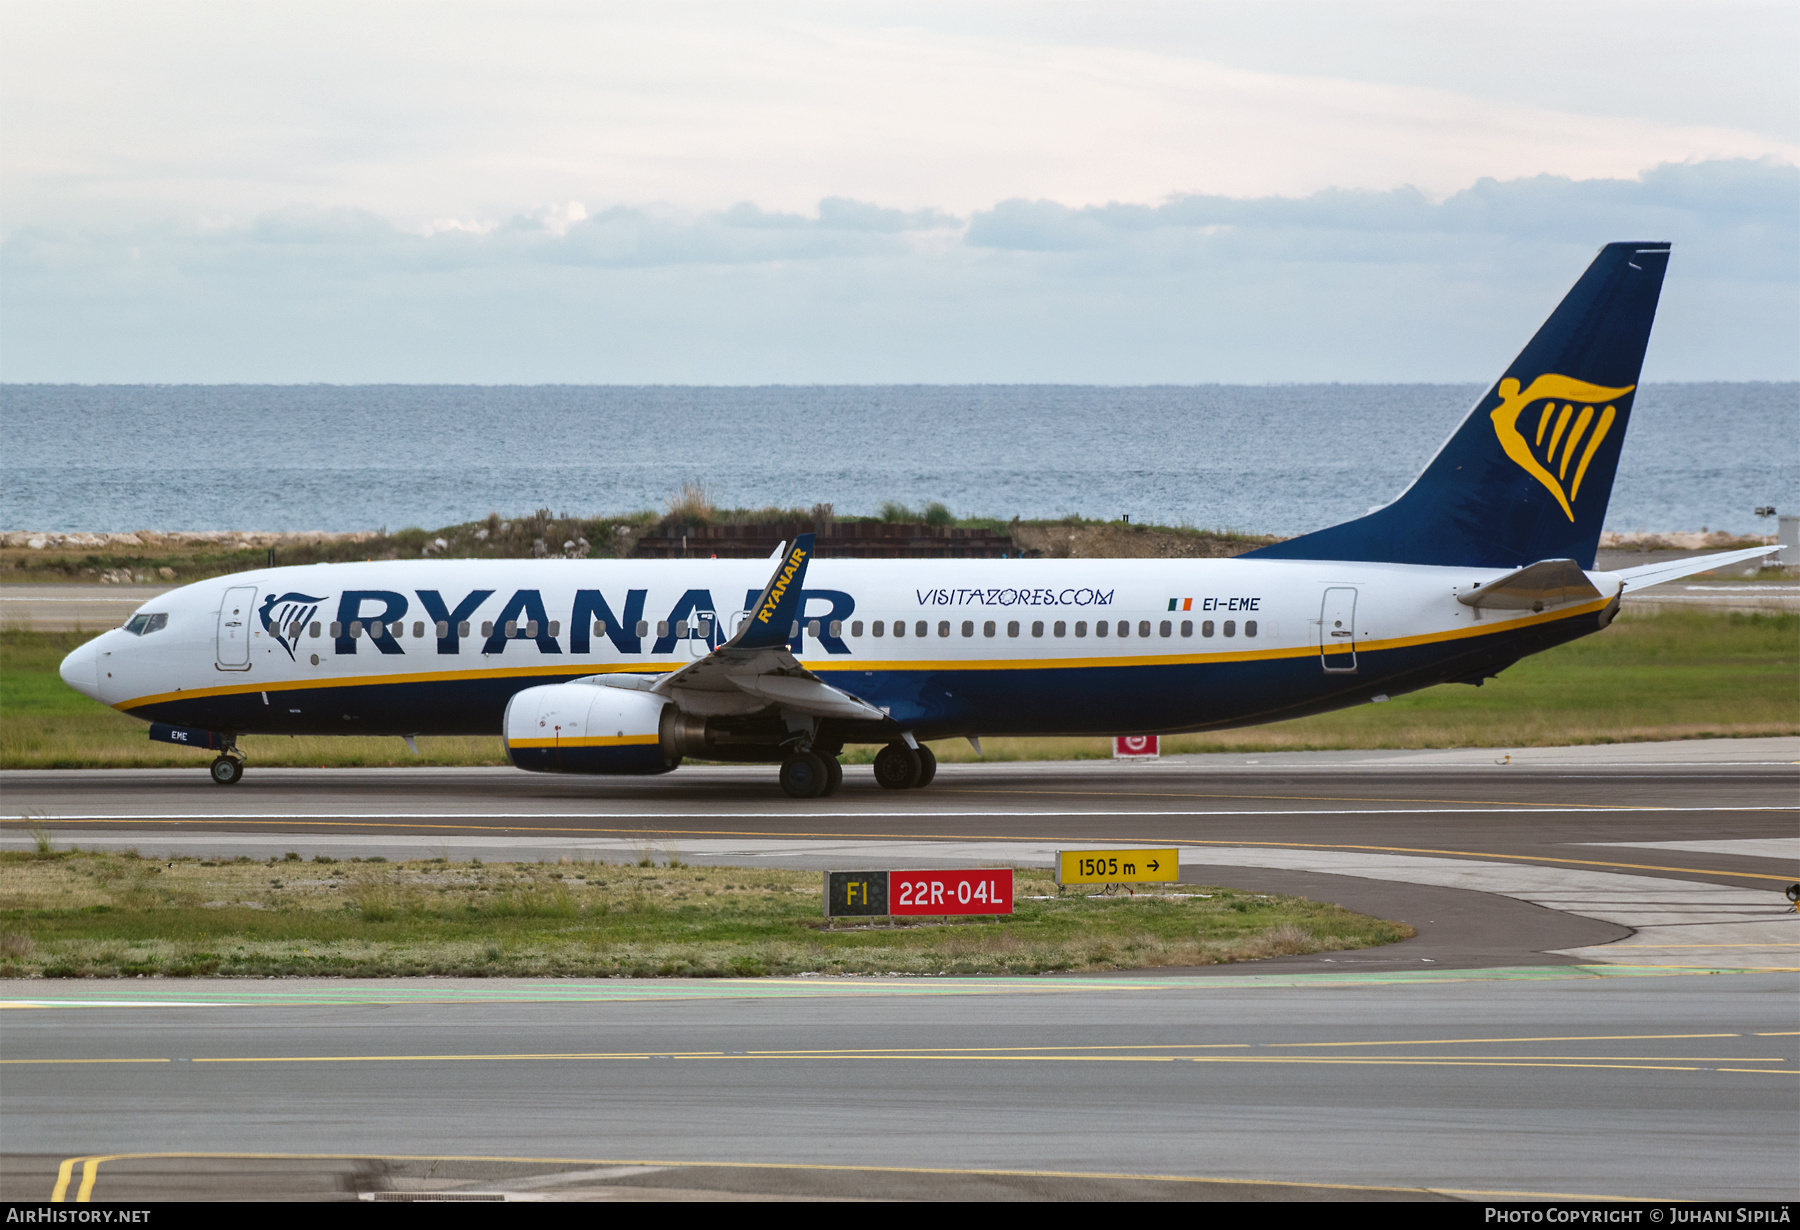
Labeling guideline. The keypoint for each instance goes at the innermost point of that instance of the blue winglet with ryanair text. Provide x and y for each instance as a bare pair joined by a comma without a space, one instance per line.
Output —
1528,474
771,624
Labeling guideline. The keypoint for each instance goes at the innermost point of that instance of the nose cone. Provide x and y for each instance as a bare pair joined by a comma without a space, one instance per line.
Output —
81,669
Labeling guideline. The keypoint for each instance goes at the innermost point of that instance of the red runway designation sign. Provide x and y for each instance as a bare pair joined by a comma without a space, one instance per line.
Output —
987,890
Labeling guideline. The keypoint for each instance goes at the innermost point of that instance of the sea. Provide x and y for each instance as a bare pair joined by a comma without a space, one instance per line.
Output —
1275,459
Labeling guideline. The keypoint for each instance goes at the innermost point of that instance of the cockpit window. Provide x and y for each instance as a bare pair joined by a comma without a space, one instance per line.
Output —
144,625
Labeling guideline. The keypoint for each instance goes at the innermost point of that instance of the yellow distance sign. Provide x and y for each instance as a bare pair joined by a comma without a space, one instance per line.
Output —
1115,866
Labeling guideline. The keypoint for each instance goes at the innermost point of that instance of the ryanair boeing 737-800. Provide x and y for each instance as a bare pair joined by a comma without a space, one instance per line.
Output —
626,667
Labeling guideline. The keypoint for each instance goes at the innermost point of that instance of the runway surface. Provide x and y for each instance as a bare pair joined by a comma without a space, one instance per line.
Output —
1557,1027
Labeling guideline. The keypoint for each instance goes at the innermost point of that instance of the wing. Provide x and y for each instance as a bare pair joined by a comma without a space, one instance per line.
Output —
754,668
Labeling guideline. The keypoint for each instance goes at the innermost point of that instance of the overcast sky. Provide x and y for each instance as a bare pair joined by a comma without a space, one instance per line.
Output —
735,193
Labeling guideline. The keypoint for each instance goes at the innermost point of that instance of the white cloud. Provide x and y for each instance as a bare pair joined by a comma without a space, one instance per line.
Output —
483,112
1335,285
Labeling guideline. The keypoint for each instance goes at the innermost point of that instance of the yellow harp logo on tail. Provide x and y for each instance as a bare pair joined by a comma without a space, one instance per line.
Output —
1567,429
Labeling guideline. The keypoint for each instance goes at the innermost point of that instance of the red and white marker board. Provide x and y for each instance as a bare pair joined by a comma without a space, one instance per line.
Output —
1137,747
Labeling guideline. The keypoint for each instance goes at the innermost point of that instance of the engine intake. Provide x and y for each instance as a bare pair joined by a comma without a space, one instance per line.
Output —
586,728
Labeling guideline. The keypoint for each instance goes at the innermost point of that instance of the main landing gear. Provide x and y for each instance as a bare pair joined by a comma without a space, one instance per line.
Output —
808,775
899,767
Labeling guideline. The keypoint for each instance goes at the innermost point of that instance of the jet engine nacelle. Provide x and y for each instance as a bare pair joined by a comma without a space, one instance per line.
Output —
586,728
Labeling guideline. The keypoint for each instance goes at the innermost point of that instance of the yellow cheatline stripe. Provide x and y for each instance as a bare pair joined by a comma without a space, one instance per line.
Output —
661,666
576,668
1777,1033
92,1164
585,741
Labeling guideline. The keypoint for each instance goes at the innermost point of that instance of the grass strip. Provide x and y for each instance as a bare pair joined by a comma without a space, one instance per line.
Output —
1670,674
77,914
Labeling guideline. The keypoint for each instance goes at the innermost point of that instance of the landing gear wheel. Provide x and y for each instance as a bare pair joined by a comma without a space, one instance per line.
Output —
803,776
927,767
897,767
227,771
834,777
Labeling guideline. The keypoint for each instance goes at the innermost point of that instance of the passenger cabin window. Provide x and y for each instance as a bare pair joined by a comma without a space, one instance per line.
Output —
462,629
943,627
812,627
1059,629
1100,628
988,628
1206,627
662,628
315,629
643,627
1166,629
337,629
837,627
921,628
1012,627
1187,627
968,627
443,629
856,627
1081,627
1230,627
1124,627
878,628
599,627
899,627
356,627
1249,627
487,627
376,628
1143,627
1037,627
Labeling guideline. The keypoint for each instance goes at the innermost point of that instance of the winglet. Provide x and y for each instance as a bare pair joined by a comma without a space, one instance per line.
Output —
771,623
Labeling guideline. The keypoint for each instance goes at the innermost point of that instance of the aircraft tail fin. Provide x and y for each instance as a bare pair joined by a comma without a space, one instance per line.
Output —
1528,474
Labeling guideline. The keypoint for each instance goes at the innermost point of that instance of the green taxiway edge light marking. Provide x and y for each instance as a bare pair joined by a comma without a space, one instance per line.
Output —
796,988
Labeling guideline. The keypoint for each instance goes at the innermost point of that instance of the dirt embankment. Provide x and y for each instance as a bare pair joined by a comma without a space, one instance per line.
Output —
1130,542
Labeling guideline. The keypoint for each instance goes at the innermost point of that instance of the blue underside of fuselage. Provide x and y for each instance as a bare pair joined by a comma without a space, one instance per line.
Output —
937,703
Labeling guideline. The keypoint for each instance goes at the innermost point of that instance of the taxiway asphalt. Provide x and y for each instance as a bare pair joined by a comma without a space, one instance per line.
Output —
1600,1000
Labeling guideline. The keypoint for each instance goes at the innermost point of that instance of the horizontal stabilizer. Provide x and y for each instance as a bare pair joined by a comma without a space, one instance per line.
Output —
1671,570
1535,587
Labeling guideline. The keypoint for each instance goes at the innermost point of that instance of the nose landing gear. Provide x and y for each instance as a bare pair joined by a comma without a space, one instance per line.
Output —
228,769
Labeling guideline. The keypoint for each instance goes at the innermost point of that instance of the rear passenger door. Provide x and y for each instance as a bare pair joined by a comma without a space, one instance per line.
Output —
1337,629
